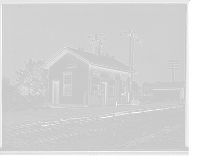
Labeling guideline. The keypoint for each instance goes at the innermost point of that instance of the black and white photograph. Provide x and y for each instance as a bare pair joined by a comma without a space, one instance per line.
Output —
94,77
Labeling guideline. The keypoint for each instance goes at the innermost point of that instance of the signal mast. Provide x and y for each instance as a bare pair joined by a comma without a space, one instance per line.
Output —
132,37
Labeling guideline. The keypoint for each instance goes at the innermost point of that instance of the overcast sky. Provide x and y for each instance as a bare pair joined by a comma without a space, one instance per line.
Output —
39,31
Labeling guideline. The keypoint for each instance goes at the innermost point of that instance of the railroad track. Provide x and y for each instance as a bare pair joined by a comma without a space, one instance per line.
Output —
94,117
155,135
34,136
60,123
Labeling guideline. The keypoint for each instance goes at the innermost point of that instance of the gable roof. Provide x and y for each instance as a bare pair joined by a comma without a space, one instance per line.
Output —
167,85
90,58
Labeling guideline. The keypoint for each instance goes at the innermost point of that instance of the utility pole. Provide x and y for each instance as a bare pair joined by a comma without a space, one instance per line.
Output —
173,65
132,36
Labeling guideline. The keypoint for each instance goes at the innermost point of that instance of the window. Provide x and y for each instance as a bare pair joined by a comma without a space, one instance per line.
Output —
111,87
95,81
67,83
123,86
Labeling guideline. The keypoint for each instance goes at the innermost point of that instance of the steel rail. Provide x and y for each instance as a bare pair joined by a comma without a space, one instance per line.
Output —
21,125
79,119
30,131
157,134
143,119
106,115
96,119
88,130
128,114
49,138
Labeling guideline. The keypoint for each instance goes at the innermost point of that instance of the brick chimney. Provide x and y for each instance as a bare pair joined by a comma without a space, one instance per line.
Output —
97,47
97,43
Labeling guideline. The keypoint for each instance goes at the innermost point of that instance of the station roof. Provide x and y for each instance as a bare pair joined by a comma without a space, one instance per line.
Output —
168,85
92,59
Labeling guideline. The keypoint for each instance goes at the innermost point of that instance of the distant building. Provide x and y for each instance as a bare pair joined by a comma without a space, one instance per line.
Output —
168,91
83,78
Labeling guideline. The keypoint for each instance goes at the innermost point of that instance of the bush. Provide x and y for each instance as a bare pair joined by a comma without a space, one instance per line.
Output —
28,102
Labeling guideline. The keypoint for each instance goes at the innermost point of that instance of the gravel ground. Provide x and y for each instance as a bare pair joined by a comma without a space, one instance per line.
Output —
111,138
23,117
170,141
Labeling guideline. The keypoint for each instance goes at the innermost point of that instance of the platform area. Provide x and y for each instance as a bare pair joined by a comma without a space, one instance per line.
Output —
25,117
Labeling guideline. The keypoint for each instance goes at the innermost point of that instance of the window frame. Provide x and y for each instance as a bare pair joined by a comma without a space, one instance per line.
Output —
95,73
113,86
67,84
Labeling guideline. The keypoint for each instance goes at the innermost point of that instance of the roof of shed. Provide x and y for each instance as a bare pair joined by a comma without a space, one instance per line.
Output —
92,59
168,85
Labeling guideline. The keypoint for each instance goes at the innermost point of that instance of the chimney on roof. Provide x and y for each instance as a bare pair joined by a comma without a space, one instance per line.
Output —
97,47
97,43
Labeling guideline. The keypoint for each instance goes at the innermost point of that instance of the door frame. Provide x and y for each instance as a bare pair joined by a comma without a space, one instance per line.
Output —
105,96
55,92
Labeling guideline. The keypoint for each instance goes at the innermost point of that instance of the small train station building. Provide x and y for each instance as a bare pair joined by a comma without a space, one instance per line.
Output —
168,91
78,77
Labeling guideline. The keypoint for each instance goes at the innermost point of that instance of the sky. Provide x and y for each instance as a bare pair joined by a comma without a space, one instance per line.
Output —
39,31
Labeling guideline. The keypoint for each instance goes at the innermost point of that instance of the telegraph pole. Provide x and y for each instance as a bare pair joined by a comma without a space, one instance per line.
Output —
132,36
173,65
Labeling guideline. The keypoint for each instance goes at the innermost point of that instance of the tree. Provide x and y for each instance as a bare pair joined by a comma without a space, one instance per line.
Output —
147,91
134,88
33,82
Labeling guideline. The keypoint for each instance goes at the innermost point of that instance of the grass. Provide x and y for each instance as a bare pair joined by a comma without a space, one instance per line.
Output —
16,102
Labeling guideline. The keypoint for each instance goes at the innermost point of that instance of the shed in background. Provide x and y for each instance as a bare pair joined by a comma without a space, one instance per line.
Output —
163,91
